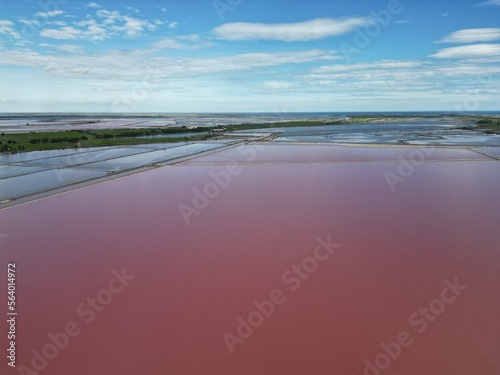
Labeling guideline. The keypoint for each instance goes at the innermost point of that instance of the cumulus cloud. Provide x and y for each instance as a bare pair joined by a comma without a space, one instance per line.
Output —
472,36
468,52
53,13
290,32
134,27
93,5
29,22
67,32
105,25
108,16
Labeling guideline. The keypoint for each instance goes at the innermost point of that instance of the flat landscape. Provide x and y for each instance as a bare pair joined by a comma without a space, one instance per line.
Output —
239,251
68,158
249,187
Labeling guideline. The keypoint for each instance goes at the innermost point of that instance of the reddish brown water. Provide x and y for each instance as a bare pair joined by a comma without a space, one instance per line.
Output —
193,281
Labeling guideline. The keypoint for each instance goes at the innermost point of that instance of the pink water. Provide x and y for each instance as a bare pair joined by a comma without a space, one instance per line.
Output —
193,281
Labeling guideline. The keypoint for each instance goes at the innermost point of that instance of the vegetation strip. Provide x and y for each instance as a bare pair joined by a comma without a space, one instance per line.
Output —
16,142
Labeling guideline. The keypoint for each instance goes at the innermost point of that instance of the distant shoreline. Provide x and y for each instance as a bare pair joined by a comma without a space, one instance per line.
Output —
70,132
171,114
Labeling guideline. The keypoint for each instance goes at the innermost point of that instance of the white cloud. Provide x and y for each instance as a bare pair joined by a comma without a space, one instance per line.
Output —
239,63
472,36
169,43
468,52
470,69
445,14
131,27
190,37
396,79
403,70
71,48
80,71
93,5
67,32
53,13
488,3
177,82
134,27
7,28
133,9
302,31
109,16
281,74
57,23
106,25
173,25
93,31
6,23
29,22
130,64
383,64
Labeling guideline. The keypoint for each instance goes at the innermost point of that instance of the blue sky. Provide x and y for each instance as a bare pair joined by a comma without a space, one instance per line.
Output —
249,55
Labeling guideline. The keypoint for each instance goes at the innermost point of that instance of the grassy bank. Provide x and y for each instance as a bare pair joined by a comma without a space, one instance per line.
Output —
489,125
333,121
16,142
285,124
32,141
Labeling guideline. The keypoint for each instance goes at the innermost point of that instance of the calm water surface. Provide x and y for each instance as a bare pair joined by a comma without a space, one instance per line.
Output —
192,282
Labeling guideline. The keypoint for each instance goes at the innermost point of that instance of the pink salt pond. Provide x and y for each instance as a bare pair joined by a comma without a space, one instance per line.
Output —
269,259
